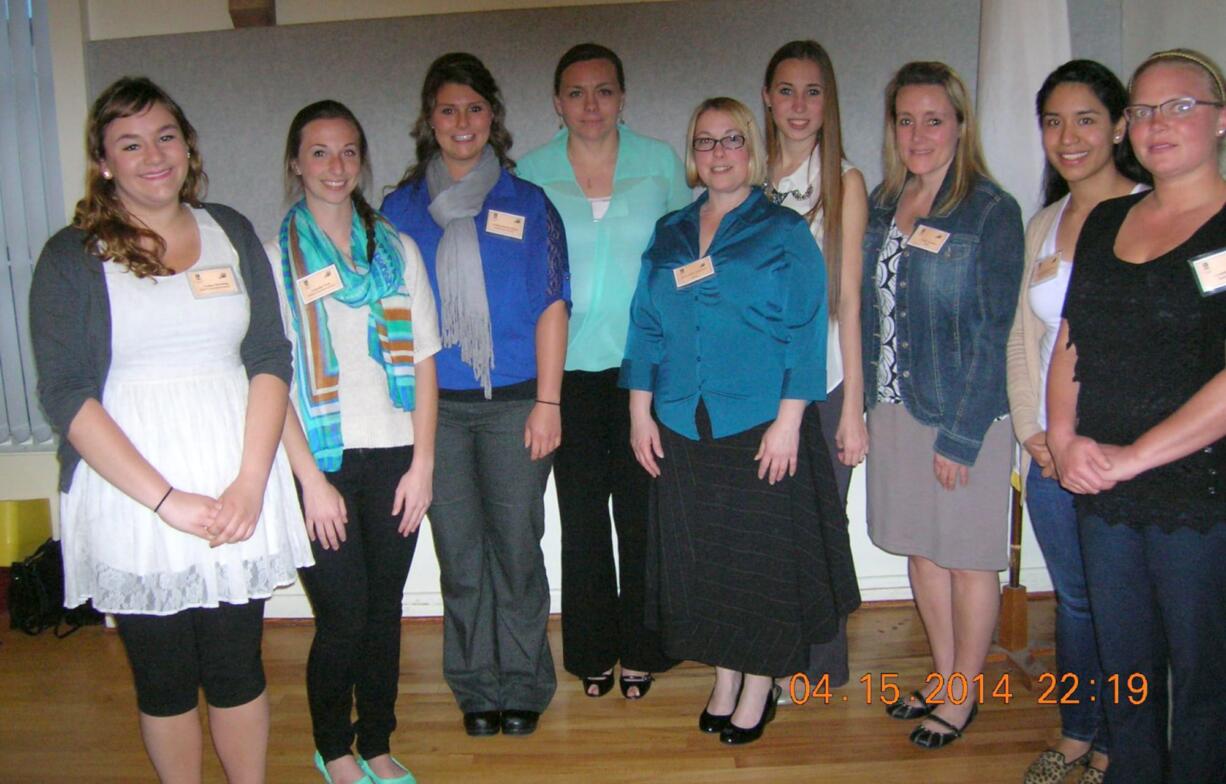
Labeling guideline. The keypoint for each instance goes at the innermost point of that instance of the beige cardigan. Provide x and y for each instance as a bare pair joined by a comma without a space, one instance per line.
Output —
1023,374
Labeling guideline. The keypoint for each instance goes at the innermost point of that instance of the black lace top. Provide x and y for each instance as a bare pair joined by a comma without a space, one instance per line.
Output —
1146,342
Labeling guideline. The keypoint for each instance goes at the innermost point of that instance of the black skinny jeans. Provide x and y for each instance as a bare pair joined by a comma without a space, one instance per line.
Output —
356,594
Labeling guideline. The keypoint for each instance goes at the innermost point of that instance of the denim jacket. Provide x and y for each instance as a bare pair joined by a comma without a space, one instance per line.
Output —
953,312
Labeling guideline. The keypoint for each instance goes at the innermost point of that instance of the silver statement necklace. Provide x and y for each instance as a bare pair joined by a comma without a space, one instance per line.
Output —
776,196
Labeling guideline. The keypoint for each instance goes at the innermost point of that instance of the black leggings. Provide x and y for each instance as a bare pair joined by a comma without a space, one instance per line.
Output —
214,648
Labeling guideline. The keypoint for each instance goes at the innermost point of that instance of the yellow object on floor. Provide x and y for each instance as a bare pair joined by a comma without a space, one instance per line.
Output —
24,525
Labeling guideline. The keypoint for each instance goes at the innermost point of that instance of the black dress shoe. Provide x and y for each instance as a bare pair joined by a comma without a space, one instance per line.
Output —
712,722
519,722
735,735
480,723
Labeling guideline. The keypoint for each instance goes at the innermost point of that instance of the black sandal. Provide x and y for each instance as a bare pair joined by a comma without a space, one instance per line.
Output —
641,682
928,739
602,682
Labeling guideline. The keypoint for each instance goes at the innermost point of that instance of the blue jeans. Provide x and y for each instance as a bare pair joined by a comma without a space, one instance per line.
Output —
1055,526
1160,602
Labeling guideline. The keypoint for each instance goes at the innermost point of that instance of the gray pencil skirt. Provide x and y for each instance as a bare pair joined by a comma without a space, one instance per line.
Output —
910,514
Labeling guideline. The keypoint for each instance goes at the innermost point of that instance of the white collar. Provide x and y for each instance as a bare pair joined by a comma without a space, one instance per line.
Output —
808,173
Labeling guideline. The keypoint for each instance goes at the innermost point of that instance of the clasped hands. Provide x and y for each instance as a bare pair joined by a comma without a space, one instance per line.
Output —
1087,467
231,517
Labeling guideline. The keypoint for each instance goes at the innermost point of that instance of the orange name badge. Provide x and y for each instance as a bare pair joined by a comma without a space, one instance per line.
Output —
1210,269
319,284
928,238
212,282
1046,269
505,224
693,272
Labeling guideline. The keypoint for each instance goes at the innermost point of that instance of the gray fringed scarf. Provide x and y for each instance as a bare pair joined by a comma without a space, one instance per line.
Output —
461,281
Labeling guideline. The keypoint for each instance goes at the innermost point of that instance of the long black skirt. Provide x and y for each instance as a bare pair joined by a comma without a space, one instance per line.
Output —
742,574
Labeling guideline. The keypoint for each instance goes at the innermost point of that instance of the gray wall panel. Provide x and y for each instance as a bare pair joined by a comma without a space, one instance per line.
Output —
1094,30
241,88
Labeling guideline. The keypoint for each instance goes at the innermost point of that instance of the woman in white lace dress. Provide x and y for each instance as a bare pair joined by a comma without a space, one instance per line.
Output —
163,365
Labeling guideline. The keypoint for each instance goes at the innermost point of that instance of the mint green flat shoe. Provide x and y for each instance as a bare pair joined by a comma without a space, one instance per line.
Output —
407,778
323,771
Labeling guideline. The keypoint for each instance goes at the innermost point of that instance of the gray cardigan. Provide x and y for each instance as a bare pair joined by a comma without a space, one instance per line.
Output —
70,324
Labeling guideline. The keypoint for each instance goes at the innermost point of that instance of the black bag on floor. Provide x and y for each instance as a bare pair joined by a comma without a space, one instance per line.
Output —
36,595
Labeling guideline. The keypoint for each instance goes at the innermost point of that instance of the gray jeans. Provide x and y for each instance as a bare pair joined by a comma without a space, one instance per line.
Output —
487,520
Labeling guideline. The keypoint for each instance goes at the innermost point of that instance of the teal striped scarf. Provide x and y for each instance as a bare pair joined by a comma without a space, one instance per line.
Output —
376,283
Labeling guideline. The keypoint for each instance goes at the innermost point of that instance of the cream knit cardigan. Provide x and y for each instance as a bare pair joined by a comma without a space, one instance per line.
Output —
1023,374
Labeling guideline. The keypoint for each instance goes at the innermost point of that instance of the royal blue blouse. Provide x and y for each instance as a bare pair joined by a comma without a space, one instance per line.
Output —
523,277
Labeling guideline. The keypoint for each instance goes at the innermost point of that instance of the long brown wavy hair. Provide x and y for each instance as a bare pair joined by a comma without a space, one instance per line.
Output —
830,143
111,232
458,68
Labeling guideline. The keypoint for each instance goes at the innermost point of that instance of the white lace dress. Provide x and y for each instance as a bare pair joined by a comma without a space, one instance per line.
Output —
178,389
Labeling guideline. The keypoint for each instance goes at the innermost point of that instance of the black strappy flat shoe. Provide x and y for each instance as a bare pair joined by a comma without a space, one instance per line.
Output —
930,739
905,710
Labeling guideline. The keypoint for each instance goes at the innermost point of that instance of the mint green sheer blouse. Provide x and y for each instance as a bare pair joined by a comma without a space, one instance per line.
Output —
606,254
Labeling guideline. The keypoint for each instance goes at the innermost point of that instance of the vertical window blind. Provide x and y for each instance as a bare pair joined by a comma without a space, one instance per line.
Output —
31,207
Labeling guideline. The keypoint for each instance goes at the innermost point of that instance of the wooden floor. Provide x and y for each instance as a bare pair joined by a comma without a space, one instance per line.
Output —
67,714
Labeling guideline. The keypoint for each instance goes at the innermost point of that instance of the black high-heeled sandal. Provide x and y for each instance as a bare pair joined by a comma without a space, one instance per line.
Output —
642,682
735,736
602,682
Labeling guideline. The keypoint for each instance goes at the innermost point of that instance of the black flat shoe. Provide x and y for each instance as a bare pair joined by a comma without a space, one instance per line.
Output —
930,739
481,723
905,711
519,722
641,682
602,682
735,736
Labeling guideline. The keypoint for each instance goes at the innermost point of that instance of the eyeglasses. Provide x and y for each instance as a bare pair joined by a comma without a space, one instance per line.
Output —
1174,109
733,141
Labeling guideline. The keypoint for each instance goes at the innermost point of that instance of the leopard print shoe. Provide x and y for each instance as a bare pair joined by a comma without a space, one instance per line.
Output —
1092,776
1051,767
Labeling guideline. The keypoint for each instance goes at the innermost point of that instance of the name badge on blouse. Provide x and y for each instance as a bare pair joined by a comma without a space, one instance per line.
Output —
1210,269
212,282
319,284
505,224
928,238
693,272
1046,269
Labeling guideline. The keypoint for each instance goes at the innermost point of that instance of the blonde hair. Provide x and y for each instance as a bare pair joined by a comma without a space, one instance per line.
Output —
743,119
1186,57
110,230
969,164
830,143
